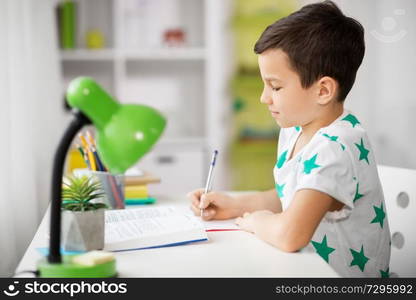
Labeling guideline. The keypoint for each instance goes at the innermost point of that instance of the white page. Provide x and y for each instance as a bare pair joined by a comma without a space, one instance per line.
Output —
147,224
214,224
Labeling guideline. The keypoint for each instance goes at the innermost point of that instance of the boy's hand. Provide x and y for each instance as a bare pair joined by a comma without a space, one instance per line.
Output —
215,205
248,221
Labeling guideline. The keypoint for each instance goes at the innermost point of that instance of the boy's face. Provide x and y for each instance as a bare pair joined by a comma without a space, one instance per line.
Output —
289,103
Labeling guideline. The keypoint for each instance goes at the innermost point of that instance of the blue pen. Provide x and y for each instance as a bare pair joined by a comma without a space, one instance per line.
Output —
100,166
209,179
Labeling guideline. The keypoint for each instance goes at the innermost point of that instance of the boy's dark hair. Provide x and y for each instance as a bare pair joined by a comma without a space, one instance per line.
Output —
319,41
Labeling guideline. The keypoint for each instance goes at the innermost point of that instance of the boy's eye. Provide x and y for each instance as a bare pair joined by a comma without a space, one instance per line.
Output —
275,89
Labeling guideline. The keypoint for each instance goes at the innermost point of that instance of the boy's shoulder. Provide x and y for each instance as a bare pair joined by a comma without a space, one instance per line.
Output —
344,140
347,129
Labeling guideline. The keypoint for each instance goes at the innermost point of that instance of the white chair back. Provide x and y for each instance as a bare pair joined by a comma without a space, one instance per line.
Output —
399,186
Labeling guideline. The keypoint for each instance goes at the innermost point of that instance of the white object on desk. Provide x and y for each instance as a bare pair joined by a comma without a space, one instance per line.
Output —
226,254
93,258
134,172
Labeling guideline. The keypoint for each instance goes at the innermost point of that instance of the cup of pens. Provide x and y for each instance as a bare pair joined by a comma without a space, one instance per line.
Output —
112,185
112,188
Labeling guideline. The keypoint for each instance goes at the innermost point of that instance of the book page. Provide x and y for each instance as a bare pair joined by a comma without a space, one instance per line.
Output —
145,225
214,225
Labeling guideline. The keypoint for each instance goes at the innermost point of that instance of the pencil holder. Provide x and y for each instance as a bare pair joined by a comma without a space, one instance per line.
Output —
112,186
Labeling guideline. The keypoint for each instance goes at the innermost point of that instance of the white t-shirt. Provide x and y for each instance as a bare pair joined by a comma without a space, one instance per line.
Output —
339,161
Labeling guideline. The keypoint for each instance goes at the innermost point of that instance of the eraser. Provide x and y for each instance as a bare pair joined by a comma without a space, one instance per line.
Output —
93,258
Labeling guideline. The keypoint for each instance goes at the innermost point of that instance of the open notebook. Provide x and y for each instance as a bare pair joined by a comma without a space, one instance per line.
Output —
152,227
129,229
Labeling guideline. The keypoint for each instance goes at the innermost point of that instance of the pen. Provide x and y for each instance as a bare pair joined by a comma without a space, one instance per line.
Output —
93,149
80,150
90,155
83,154
92,160
83,141
117,193
209,179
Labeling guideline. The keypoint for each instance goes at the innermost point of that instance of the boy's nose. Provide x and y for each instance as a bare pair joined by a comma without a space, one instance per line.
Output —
265,98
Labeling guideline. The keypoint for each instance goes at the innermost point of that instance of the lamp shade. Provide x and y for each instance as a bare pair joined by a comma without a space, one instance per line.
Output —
125,132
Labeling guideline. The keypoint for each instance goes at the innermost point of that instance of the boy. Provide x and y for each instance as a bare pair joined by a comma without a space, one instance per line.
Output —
328,196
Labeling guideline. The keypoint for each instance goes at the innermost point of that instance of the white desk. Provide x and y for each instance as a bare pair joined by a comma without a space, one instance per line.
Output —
226,254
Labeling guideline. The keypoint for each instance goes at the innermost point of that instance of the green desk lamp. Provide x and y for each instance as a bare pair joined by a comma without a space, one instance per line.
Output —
125,132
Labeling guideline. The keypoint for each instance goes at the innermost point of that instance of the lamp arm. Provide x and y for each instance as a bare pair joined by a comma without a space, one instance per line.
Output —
77,123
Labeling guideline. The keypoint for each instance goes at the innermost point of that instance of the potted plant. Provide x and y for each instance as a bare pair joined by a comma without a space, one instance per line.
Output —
83,216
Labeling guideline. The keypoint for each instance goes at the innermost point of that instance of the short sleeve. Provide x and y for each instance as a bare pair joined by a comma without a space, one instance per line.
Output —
326,166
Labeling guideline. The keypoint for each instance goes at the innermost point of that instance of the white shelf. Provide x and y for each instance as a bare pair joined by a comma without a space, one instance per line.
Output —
147,54
165,54
86,54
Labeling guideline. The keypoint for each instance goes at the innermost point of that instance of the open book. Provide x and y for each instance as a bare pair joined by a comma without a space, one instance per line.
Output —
128,229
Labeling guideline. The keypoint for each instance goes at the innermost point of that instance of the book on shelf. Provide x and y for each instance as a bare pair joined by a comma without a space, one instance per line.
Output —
151,227
136,187
145,178
136,191
140,201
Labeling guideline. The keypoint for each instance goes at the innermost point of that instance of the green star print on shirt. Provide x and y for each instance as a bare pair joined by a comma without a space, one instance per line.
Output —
310,164
333,138
363,151
380,215
279,189
352,119
359,259
385,274
357,194
281,160
322,249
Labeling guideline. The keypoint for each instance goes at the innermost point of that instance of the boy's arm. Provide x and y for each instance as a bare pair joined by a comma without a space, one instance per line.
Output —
267,200
292,229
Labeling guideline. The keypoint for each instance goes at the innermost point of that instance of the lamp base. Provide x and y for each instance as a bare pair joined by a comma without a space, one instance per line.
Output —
68,269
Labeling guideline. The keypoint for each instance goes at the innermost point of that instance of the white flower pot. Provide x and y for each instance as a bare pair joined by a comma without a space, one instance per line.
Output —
82,230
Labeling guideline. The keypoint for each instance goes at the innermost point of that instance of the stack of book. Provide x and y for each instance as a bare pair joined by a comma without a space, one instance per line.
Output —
136,189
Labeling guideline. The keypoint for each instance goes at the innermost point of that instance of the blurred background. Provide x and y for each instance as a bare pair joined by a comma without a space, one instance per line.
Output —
191,59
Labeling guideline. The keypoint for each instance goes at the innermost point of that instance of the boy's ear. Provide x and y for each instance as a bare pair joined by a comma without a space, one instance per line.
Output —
327,90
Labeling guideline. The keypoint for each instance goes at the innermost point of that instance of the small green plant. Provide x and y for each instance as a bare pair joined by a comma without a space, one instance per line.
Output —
78,192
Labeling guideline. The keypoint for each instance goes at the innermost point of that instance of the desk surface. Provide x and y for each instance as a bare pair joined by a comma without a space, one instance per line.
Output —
226,254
